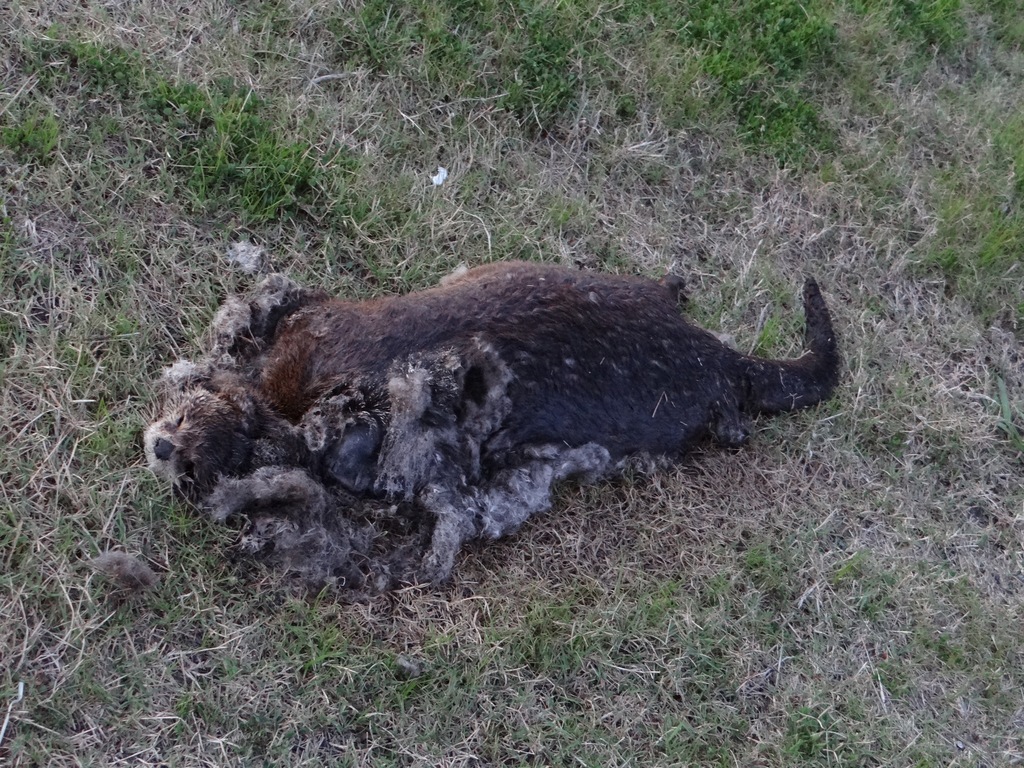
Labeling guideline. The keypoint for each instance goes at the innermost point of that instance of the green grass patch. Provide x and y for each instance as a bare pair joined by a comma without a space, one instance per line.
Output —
232,155
536,60
927,23
769,568
518,56
33,135
759,51
1008,419
222,140
11,329
1009,24
809,734
872,588
980,239
63,64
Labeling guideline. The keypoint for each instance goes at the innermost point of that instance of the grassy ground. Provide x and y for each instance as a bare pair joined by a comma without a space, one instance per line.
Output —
847,590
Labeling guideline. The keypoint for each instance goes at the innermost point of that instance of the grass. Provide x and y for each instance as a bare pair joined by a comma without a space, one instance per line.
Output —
1008,419
538,60
846,590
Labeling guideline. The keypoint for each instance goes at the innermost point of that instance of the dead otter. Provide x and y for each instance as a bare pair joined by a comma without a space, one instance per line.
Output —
467,400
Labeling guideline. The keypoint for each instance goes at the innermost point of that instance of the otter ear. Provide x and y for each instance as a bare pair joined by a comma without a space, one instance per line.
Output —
183,374
275,299
232,389
243,327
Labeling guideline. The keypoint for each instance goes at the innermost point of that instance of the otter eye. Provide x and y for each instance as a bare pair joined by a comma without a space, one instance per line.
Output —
180,420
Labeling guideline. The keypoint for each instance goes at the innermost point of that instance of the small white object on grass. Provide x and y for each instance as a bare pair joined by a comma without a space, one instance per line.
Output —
439,177
245,256
10,708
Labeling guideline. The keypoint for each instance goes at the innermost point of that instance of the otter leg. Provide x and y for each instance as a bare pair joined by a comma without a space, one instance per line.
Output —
243,327
453,526
729,425
295,524
676,287
499,507
518,493
352,461
282,492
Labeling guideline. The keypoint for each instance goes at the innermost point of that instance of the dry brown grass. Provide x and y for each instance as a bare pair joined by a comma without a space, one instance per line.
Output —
847,590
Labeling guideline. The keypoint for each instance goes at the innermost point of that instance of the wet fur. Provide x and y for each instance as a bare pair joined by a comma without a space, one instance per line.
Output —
366,442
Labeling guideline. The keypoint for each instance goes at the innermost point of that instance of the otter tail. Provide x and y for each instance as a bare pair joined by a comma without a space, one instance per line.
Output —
785,385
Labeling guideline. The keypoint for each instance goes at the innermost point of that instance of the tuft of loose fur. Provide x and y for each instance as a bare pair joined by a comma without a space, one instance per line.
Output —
126,572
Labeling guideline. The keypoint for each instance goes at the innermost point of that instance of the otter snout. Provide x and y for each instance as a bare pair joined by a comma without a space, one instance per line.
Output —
161,453
163,449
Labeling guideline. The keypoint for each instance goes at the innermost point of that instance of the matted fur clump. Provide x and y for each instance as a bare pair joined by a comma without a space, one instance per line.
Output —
363,443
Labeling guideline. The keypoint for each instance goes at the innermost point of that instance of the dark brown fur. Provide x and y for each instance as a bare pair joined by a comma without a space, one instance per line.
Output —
469,399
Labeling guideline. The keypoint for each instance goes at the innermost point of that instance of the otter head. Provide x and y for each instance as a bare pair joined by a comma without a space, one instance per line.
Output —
207,428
